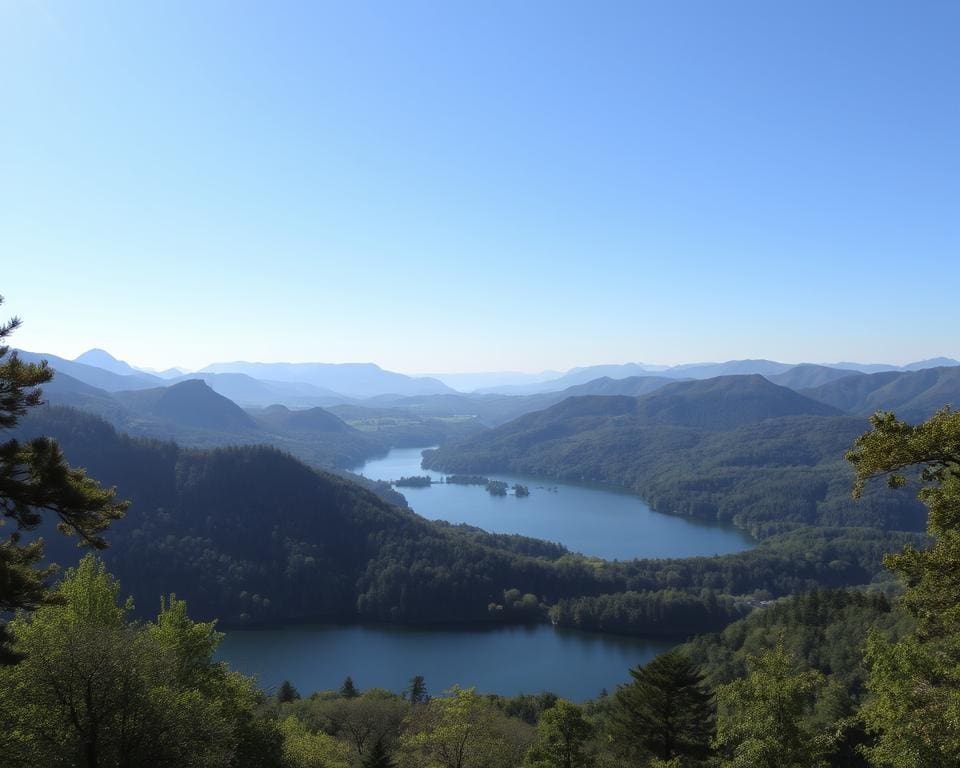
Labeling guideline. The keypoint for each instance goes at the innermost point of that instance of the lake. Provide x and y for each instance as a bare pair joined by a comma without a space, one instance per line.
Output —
590,520
505,660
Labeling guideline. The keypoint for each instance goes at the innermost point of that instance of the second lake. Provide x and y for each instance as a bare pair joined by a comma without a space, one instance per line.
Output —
586,519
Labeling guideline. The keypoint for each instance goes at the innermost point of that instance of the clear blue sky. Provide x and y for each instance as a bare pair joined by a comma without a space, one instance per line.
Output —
453,186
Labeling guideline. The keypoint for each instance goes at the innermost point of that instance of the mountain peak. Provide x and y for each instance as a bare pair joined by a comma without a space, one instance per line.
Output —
100,358
726,402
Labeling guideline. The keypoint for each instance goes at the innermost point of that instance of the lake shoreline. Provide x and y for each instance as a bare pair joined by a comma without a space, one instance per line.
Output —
437,626
588,518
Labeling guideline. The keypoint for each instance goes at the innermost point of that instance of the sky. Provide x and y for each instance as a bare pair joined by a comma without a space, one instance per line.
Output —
467,186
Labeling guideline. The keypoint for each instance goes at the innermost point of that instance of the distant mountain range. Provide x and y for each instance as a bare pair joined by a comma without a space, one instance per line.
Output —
769,368
356,380
306,385
192,413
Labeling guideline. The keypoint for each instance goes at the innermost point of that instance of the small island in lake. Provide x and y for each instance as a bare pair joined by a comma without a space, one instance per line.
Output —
497,488
468,479
417,481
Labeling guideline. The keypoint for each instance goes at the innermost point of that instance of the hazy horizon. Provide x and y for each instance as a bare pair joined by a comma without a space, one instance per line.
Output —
508,188
651,366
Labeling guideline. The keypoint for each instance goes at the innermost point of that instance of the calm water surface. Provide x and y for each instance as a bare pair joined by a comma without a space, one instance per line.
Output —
585,519
505,660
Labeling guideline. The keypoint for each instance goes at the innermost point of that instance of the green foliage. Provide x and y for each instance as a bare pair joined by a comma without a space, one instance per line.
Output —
378,757
666,712
563,735
825,629
303,748
765,719
36,481
359,720
96,689
462,730
914,708
662,612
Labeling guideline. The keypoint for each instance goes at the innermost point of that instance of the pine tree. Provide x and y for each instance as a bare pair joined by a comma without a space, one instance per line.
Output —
665,712
378,757
915,683
35,479
287,693
348,690
417,691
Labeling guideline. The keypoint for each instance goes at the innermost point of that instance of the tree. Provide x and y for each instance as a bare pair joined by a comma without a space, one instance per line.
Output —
461,730
36,479
562,736
95,688
287,693
362,720
378,757
763,719
665,712
308,749
348,690
417,690
914,707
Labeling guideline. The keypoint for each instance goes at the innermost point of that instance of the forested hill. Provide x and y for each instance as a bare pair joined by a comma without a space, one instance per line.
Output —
194,414
736,448
190,403
251,534
725,402
913,395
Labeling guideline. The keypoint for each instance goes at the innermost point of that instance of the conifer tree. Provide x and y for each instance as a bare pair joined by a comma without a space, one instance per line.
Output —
417,691
378,757
914,706
36,481
665,712
348,690
287,693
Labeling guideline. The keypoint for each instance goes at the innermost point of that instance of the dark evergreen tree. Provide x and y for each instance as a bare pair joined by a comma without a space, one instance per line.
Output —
348,690
666,712
378,757
417,692
35,479
287,693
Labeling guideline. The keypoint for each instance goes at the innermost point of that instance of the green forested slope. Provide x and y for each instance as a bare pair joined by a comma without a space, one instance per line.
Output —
735,449
251,534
